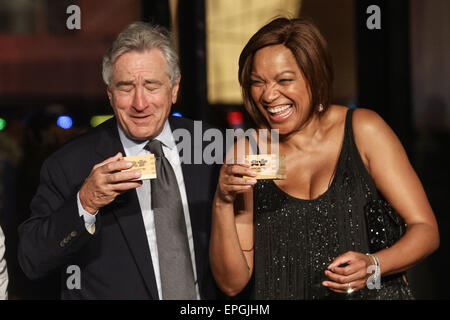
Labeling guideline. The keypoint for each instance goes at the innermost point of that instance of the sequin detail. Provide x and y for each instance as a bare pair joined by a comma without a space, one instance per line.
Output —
296,239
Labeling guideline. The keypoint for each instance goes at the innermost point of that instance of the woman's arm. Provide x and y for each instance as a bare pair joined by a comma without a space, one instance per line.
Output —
387,162
231,244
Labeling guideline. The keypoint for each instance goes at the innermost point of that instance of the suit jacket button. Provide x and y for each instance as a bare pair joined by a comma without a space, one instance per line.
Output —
73,234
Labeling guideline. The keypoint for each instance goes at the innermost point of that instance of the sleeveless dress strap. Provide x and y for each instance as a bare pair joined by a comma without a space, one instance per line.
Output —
357,161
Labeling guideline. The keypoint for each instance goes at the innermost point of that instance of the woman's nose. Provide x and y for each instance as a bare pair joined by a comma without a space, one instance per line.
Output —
270,94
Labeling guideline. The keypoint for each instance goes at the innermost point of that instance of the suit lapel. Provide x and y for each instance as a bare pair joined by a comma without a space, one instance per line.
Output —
128,213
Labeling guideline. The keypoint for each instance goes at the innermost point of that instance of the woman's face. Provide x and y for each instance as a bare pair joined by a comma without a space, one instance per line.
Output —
279,89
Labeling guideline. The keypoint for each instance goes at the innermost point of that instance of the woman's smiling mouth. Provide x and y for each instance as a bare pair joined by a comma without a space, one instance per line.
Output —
280,113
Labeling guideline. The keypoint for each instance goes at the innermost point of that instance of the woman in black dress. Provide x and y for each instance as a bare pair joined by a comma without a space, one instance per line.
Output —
307,237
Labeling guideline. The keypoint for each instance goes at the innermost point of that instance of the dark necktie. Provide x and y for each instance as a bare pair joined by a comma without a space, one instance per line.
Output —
177,276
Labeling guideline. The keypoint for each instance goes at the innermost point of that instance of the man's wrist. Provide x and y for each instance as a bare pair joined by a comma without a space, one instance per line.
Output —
85,206
88,209
88,217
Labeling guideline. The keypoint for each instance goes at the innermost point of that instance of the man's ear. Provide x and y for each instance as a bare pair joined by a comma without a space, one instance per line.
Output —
109,93
175,89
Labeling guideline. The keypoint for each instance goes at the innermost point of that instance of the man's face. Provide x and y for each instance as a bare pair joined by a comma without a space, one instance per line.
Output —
141,94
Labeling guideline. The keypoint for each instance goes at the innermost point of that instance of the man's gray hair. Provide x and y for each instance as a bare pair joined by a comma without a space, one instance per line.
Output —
140,37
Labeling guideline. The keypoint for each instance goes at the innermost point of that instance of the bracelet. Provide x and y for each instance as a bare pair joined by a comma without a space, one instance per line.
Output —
377,274
375,259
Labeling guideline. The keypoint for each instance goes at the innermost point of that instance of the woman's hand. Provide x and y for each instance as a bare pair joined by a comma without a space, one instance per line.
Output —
347,272
234,179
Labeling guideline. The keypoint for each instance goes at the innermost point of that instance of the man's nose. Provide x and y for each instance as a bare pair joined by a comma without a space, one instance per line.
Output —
140,101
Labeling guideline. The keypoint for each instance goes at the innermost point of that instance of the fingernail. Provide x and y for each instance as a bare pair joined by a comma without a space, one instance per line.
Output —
325,284
252,181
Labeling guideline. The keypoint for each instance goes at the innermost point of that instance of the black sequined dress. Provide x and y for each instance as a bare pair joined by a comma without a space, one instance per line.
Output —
295,239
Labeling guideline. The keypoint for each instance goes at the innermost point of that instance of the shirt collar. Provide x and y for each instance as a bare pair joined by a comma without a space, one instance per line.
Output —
133,147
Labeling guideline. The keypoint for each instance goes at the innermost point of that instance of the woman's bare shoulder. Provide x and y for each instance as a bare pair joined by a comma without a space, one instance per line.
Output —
373,136
367,120
368,126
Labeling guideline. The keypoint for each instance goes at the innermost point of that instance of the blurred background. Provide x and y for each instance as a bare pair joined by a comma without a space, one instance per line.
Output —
51,87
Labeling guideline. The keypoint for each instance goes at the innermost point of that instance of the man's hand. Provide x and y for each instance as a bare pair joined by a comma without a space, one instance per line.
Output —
106,182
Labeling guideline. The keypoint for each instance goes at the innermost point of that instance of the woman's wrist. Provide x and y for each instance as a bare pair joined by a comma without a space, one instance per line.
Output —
220,202
375,279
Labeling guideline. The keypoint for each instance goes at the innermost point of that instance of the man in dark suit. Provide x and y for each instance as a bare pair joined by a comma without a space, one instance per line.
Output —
110,235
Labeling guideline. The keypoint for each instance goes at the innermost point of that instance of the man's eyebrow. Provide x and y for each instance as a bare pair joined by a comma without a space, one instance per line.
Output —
124,83
152,81
131,82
